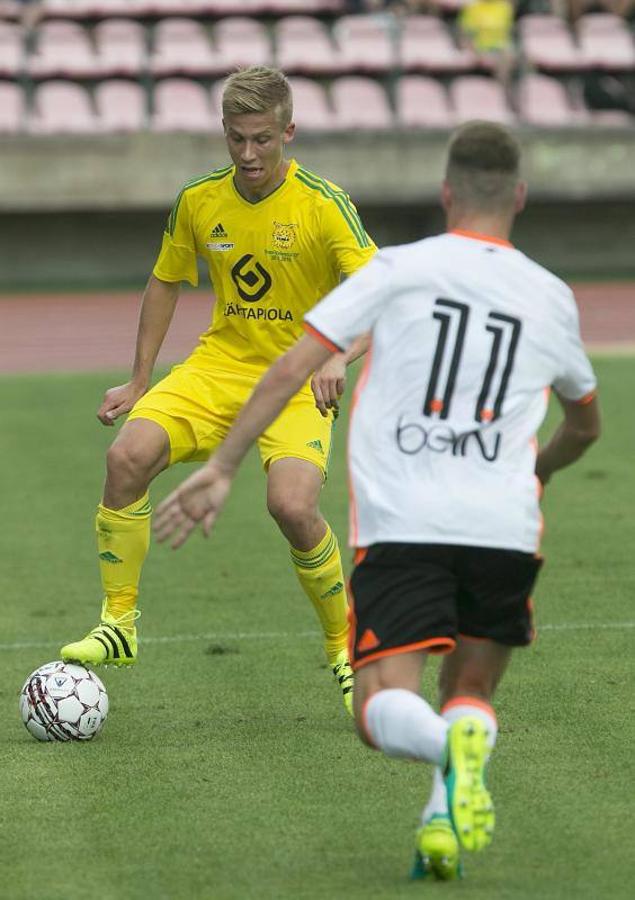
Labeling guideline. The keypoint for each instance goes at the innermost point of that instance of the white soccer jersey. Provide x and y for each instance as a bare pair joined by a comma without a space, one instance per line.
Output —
468,335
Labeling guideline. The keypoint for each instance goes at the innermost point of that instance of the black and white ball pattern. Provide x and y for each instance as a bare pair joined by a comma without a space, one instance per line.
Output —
63,702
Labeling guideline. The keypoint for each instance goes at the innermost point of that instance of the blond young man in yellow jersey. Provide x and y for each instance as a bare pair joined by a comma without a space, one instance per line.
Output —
276,238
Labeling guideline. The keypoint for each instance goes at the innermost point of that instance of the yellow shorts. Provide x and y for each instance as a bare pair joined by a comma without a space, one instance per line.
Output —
197,408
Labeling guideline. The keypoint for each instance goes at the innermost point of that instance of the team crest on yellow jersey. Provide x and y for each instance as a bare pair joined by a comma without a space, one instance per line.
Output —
284,235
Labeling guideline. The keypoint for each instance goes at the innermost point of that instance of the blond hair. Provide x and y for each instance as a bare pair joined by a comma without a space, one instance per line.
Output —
483,165
258,89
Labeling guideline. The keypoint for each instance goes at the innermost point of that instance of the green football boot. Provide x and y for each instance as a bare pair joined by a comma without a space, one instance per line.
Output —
343,674
437,852
112,642
469,801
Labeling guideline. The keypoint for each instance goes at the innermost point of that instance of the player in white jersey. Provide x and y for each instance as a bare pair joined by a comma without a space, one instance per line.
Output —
468,337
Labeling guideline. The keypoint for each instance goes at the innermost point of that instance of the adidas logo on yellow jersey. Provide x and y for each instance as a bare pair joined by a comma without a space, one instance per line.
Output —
216,234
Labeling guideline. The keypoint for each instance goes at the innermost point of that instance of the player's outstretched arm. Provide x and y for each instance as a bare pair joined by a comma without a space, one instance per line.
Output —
580,428
329,381
200,498
157,309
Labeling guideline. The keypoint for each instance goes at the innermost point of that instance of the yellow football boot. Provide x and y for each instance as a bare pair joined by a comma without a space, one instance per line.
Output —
437,852
343,674
112,642
469,801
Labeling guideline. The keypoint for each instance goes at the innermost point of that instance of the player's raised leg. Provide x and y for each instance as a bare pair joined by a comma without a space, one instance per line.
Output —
140,451
467,681
391,716
293,492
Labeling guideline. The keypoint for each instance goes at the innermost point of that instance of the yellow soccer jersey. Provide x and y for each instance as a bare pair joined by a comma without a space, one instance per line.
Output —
269,262
489,23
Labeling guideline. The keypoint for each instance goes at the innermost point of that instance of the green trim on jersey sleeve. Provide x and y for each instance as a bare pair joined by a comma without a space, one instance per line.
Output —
342,201
215,175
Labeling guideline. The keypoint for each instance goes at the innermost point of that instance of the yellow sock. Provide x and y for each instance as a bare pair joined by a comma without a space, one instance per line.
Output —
123,538
320,574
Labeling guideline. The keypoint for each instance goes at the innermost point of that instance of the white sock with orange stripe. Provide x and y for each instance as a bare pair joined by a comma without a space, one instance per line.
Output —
401,723
453,710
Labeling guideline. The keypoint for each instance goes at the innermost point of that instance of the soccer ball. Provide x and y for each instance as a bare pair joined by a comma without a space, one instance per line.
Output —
63,702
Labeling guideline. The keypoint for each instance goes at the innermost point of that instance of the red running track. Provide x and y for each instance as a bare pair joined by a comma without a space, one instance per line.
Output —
92,332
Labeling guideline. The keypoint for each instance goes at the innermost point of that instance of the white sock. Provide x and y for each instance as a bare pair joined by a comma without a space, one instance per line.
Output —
402,724
453,710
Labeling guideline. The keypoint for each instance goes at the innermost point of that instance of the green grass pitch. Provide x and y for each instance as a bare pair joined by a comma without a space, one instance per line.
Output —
228,768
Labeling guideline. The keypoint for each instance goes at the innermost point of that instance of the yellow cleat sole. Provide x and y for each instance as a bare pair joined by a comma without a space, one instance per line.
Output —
470,803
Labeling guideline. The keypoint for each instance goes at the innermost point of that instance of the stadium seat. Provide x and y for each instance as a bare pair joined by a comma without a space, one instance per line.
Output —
182,105
612,118
11,49
304,44
311,108
426,45
231,7
12,108
240,42
66,9
10,9
181,47
422,103
63,49
606,42
547,43
543,101
365,44
478,97
360,103
121,47
99,9
121,106
313,7
62,107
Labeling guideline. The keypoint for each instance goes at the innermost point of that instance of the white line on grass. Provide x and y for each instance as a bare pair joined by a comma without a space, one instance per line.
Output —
294,635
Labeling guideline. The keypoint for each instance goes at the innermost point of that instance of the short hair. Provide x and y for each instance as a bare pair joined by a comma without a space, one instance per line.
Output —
258,89
483,165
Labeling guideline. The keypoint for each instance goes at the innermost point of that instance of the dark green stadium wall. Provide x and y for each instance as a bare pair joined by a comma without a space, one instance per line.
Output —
101,249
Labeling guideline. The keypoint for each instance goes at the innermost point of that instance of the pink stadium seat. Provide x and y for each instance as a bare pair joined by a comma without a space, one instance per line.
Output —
451,6
62,107
12,108
241,42
63,49
543,101
427,46
422,103
478,97
121,47
606,42
365,43
9,9
315,7
67,9
611,118
360,103
181,105
181,47
11,48
121,106
547,43
311,109
304,44
231,7
100,9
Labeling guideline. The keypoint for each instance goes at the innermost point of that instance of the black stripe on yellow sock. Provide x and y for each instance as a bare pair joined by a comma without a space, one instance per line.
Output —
314,562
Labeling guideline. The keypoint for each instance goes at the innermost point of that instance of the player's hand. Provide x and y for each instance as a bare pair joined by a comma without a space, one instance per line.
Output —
328,384
118,401
197,501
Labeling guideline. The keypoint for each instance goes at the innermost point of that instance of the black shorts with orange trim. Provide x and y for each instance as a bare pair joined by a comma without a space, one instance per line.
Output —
421,596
